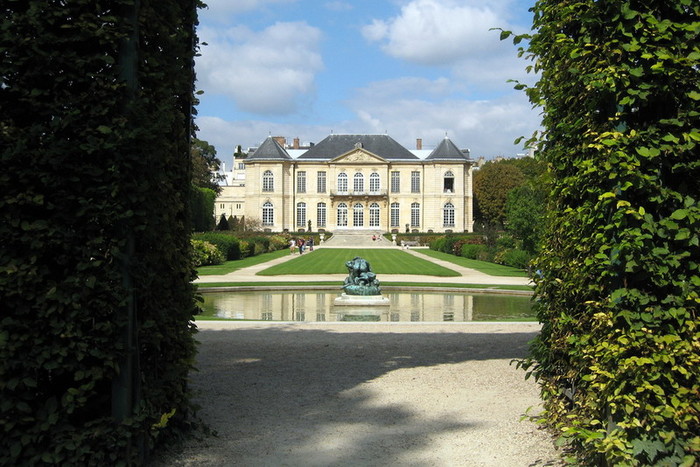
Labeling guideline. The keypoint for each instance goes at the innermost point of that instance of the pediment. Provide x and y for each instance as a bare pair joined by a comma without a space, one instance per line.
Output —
359,156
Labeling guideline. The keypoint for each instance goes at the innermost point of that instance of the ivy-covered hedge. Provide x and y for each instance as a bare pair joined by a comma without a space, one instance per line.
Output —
618,358
96,339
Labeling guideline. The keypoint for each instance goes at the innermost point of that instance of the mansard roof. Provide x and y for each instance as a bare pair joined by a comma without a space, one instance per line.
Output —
269,150
447,150
335,145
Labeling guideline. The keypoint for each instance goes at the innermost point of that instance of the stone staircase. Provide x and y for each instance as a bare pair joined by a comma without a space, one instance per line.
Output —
357,239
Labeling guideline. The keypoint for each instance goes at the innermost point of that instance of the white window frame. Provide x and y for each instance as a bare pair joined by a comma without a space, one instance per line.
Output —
301,181
374,215
342,182
321,214
268,181
358,215
395,181
301,214
358,183
321,181
415,181
342,217
374,182
415,214
448,215
395,210
268,214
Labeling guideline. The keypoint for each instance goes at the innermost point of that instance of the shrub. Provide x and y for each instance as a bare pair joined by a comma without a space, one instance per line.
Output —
471,250
516,258
205,254
227,244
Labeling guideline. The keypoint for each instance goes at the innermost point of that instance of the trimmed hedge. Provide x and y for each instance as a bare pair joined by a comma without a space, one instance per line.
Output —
96,337
229,245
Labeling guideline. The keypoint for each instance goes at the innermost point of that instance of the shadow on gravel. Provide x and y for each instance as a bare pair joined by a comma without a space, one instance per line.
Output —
286,396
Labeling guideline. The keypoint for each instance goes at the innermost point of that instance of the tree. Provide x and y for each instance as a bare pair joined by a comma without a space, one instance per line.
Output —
205,165
525,214
223,223
617,293
492,182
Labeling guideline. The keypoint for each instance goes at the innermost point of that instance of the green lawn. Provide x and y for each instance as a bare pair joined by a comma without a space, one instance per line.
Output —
332,261
230,266
491,269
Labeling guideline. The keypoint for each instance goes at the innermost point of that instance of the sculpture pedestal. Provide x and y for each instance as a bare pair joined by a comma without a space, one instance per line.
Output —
361,300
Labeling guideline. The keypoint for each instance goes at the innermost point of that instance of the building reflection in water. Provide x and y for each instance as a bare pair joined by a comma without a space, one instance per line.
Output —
404,307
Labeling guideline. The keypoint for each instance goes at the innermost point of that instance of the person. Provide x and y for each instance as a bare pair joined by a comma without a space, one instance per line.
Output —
374,238
310,243
292,244
300,244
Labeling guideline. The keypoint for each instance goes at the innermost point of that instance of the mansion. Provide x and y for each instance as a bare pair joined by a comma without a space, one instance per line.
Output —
351,182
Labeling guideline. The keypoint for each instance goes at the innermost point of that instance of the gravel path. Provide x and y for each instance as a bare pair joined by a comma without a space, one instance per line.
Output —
352,394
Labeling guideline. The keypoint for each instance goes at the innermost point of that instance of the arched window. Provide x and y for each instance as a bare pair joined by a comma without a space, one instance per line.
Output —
268,214
395,215
301,214
374,215
358,215
342,215
448,182
374,182
448,215
342,182
358,183
415,214
268,181
321,214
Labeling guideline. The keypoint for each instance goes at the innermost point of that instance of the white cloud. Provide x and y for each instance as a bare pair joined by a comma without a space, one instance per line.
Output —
434,32
266,72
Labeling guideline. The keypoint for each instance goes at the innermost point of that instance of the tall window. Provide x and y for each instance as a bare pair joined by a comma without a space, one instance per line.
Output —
448,182
374,215
321,214
301,214
342,215
395,215
415,182
415,214
268,181
395,181
342,182
448,215
374,182
321,182
301,181
358,183
268,214
358,215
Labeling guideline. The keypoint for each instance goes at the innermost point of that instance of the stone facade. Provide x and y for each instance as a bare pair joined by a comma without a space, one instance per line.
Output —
353,182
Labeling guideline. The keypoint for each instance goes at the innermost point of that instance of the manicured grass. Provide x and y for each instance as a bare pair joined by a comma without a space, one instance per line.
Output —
482,266
230,266
332,261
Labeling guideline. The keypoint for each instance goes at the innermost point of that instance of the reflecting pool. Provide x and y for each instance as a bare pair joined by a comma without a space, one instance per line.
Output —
404,307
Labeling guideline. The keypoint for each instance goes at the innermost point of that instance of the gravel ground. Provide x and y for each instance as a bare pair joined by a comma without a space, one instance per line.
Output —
352,394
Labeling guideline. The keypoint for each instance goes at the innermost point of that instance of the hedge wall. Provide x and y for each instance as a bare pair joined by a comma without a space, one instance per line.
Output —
619,353
95,334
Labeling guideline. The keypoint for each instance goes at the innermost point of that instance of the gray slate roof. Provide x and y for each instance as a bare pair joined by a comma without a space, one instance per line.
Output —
269,150
447,150
335,145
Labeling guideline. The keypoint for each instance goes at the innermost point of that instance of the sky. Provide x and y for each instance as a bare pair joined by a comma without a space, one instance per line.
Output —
406,68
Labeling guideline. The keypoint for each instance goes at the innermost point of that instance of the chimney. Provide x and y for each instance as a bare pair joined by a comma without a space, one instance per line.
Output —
419,143
281,140
296,143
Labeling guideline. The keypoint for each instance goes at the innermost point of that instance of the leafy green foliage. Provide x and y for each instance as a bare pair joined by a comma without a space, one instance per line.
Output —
205,165
202,208
525,211
618,357
492,182
205,254
95,270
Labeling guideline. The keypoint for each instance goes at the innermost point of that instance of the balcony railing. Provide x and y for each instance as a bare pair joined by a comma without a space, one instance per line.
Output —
351,193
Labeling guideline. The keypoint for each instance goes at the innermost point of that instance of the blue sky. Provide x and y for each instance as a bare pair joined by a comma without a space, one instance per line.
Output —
408,68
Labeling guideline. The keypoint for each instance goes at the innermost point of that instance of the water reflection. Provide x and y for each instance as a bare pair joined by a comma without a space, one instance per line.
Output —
404,307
